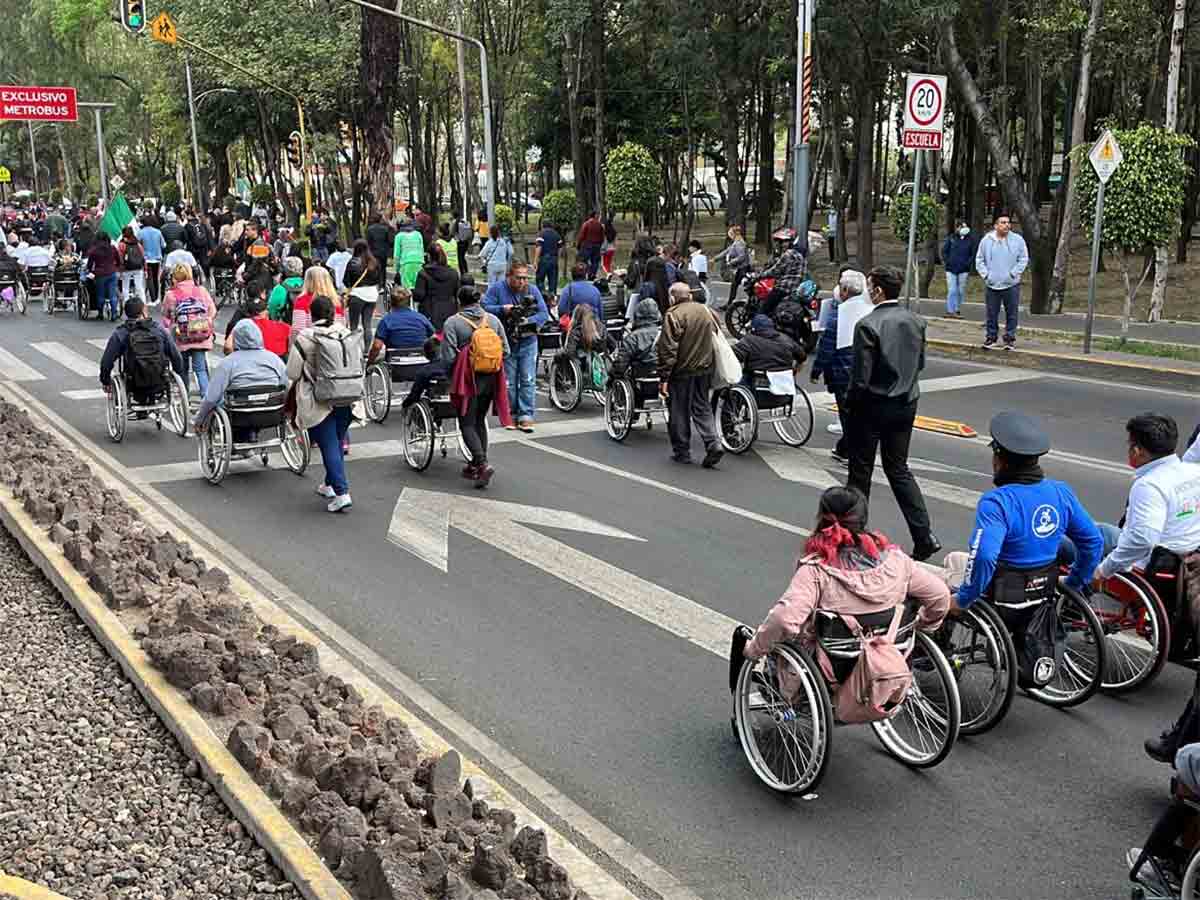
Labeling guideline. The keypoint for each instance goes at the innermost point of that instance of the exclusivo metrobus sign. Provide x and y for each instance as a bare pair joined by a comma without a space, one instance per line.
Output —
25,103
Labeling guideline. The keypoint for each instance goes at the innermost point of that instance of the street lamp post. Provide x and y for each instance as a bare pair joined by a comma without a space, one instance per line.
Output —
804,79
200,192
33,158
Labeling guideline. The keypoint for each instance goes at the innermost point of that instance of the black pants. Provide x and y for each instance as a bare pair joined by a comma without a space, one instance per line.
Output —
474,424
887,425
364,311
152,276
689,402
462,256
422,378
843,445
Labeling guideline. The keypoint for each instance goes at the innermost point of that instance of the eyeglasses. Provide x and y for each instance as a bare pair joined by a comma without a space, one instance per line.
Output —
520,277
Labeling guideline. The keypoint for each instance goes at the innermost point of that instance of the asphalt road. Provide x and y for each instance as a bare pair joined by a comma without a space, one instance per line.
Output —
549,648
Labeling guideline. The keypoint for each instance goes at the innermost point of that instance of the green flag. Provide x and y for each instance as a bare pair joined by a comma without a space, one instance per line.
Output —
116,217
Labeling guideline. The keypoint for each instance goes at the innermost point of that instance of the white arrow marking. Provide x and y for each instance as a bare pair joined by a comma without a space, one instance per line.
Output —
421,525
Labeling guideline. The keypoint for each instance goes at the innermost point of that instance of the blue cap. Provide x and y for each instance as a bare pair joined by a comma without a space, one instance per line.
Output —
762,322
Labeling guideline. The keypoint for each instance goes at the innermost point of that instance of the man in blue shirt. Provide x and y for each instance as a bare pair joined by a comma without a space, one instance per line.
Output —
403,328
547,247
1020,523
152,248
580,292
504,299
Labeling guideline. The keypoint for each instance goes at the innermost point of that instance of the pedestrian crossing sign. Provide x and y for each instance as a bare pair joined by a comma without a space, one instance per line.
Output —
162,29
1106,156
5,175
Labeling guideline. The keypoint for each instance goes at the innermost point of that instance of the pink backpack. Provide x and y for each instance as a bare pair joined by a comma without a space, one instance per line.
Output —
880,679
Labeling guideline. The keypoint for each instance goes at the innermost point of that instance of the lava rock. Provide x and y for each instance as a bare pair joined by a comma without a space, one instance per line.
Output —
320,811
384,874
445,775
529,846
491,866
549,879
450,809
250,745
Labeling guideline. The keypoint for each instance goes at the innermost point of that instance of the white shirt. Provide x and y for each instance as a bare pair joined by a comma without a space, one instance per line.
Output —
337,263
38,256
19,252
1163,511
178,258
698,263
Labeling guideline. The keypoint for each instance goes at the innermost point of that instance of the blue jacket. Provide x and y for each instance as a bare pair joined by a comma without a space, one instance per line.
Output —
500,295
958,253
1021,525
580,293
831,362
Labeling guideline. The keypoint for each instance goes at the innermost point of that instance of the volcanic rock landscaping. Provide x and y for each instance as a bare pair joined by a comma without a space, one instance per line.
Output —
388,821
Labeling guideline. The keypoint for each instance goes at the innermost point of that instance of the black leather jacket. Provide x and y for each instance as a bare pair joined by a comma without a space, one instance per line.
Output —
889,354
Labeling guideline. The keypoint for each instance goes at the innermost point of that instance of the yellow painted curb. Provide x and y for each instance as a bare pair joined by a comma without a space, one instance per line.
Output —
11,886
941,426
248,802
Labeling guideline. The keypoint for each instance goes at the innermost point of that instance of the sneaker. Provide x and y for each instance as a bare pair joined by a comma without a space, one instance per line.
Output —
712,457
469,471
526,426
834,428
922,550
839,459
326,491
339,503
989,344
1159,875
484,475
1008,345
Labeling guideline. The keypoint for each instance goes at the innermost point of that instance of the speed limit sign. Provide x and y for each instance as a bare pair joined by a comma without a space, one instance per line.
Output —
924,111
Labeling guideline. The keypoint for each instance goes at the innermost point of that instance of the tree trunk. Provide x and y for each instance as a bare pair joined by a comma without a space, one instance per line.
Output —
379,38
1158,296
866,177
979,170
600,86
765,201
572,62
731,148
1033,123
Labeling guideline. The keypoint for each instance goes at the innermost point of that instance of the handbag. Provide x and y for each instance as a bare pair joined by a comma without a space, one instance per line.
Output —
728,370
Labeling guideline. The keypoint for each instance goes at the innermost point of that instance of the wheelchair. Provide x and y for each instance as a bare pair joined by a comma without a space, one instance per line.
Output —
424,428
65,291
571,377
41,286
225,288
399,366
783,717
628,398
259,408
11,281
740,409
121,407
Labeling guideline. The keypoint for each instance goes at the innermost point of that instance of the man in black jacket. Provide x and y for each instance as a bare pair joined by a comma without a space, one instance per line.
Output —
380,236
765,349
889,354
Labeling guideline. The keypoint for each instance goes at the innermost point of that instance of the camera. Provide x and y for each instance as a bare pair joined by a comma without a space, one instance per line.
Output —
520,318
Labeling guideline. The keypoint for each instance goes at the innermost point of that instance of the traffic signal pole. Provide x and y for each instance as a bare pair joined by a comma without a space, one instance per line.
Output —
201,194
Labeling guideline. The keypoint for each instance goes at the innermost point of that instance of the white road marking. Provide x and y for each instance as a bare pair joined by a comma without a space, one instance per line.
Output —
421,522
68,358
86,394
99,343
15,370
978,379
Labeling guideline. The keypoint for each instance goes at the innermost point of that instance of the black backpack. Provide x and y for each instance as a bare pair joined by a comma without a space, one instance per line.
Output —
145,361
134,258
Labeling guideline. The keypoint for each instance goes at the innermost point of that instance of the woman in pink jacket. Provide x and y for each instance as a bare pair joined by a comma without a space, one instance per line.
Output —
190,316
848,569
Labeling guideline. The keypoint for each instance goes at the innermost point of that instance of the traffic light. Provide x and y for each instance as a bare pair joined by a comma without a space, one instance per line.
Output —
133,16
293,152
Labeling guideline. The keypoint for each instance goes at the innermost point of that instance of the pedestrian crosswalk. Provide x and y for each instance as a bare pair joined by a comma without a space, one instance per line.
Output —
65,356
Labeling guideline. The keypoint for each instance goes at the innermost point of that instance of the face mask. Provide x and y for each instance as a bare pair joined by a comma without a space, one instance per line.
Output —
964,231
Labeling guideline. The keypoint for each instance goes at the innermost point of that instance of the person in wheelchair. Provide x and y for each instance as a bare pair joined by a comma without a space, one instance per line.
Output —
403,328
586,334
848,569
580,292
765,349
143,363
1160,864
636,352
250,364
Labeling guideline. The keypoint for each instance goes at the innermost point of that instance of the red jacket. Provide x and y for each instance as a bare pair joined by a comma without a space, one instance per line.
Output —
591,232
462,388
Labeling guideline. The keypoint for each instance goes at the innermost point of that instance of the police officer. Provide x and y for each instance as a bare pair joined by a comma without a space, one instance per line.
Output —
1019,523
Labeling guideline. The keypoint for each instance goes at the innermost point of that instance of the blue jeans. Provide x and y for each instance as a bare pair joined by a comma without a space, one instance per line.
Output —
327,435
547,274
956,289
1110,534
106,289
1010,299
198,360
520,367
590,254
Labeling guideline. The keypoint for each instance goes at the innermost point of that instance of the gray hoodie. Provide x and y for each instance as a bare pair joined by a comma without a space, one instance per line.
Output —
248,365
637,347
456,333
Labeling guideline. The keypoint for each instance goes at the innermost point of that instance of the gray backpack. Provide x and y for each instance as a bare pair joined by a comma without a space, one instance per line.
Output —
337,367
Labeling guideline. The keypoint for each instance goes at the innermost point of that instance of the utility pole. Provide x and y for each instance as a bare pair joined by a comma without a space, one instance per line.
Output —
462,89
33,158
804,16
201,194
98,108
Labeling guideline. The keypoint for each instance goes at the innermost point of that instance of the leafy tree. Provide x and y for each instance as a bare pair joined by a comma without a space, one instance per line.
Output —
262,194
1142,201
561,208
168,193
632,178
506,218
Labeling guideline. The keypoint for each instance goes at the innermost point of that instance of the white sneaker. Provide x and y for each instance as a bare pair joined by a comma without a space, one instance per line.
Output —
337,504
326,491
834,428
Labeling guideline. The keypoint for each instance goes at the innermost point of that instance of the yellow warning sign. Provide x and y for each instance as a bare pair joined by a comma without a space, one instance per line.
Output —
1105,156
162,29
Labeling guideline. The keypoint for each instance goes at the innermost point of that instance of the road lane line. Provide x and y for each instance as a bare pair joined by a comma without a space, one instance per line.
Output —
977,379
68,358
98,343
14,370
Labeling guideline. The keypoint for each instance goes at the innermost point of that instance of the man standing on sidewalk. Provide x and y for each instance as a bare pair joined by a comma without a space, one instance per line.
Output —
958,252
685,368
889,354
1000,260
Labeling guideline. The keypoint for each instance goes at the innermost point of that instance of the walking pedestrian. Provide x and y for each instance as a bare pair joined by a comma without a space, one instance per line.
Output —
834,363
958,255
686,361
609,250
496,255
546,249
103,262
889,353
189,316
737,261
462,237
446,241
133,263
153,247
365,277
589,241
436,292
380,236
408,249
522,309
1000,260
327,425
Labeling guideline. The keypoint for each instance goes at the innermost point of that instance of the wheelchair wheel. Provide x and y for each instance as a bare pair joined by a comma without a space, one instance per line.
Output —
1082,671
924,729
736,416
797,428
418,437
294,447
566,383
618,409
20,300
786,736
179,408
48,299
981,655
216,447
1190,887
116,411
1137,633
378,394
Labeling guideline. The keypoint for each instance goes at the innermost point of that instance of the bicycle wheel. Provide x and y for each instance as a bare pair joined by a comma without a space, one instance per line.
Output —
736,416
116,410
797,428
783,719
981,655
378,394
1137,633
923,731
1082,669
737,318
618,409
178,408
418,437
566,384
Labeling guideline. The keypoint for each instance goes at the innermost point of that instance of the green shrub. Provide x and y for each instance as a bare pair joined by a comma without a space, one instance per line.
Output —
929,213
559,207
506,218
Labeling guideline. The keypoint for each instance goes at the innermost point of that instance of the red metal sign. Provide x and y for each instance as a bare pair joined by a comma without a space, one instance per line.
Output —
38,104
922,140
